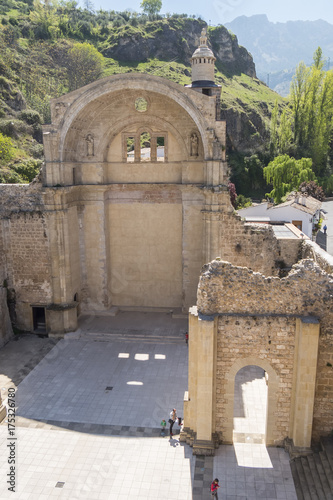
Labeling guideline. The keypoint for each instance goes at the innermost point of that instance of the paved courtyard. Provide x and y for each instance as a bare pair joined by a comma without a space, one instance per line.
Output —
88,416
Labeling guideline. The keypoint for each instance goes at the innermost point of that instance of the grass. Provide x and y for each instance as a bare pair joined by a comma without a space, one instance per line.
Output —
173,71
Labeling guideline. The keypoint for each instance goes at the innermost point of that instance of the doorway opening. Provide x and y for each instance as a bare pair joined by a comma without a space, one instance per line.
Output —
39,322
250,405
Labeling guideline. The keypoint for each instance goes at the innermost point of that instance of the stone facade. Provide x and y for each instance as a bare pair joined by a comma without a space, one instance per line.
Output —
108,226
283,325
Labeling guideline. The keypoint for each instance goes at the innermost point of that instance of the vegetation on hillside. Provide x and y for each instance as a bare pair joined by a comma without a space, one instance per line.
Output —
49,48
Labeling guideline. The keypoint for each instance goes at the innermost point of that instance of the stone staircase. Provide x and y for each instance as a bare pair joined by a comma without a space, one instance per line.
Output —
313,474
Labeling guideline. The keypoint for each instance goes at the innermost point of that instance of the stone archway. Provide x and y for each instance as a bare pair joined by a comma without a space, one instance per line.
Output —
273,381
250,405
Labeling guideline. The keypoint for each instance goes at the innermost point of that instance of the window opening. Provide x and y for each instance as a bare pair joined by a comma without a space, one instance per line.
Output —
130,142
160,149
145,145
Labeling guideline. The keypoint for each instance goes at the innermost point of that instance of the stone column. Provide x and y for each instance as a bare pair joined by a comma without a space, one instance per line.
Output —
61,314
304,381
199,416
217,204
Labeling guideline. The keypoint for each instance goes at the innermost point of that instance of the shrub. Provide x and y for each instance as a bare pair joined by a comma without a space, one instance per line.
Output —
36,150
6,148
242,202
8,176
13,128
30,116
28,170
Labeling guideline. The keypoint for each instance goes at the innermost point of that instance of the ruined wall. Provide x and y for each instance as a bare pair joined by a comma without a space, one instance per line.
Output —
306,291
257,320
25,258
261,339
28,263
255,246
310,250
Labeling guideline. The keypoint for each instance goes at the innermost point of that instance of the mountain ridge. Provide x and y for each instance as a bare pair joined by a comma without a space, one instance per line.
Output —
279,47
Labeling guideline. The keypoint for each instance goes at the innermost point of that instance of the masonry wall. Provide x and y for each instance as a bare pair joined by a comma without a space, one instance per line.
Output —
25,259
255,246
28,264
257,319
145,242
261,339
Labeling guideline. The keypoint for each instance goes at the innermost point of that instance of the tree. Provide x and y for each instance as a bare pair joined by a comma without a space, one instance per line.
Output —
311,96
311,188
45,18
85,65
306,129
151,7
286,174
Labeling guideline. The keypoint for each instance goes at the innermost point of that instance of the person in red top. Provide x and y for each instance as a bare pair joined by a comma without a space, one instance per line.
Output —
214,487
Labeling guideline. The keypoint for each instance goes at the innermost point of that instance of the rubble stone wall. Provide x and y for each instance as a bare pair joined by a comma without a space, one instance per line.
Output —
24,245
261,339
255,246
257,317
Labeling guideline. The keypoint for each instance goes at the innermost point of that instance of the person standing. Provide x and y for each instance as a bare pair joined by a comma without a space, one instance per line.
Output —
172,419
163,426
214,487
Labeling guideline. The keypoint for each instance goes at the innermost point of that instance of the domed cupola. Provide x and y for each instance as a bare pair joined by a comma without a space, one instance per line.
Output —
203,67
203,62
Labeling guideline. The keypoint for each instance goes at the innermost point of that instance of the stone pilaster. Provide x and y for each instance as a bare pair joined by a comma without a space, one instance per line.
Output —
217,204
199,404
304,381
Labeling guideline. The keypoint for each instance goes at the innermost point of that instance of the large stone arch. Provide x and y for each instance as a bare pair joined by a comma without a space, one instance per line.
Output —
137,82
273,382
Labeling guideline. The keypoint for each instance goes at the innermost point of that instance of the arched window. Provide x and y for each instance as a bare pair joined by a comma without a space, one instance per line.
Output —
145,146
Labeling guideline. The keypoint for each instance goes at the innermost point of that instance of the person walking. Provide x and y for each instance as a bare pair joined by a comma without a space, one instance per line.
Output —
172,419
214,487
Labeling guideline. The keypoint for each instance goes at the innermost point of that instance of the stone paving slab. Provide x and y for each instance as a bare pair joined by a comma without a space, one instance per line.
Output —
97,467
20,355
70,383
253,472
79,440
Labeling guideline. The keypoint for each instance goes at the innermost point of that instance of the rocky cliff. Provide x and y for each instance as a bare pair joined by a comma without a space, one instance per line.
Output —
176,40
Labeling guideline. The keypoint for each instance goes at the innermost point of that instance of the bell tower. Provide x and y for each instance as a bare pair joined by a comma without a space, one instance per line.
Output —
203,67
203,63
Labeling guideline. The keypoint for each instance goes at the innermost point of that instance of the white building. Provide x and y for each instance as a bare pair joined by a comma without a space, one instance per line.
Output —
302,211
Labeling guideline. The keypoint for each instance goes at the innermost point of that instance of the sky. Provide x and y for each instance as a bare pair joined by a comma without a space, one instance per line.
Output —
223,11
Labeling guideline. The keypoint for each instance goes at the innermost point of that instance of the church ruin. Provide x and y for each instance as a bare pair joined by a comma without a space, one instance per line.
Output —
132,202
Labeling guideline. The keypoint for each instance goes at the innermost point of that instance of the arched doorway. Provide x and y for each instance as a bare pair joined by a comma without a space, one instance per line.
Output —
272,388
250,405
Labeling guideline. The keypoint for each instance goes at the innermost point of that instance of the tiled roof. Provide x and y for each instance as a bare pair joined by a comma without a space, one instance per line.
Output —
306,204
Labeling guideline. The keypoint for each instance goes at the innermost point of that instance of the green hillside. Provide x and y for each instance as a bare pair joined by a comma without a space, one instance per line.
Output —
44,53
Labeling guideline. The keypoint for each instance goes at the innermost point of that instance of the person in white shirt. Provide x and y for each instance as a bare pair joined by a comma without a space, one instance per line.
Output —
172,419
